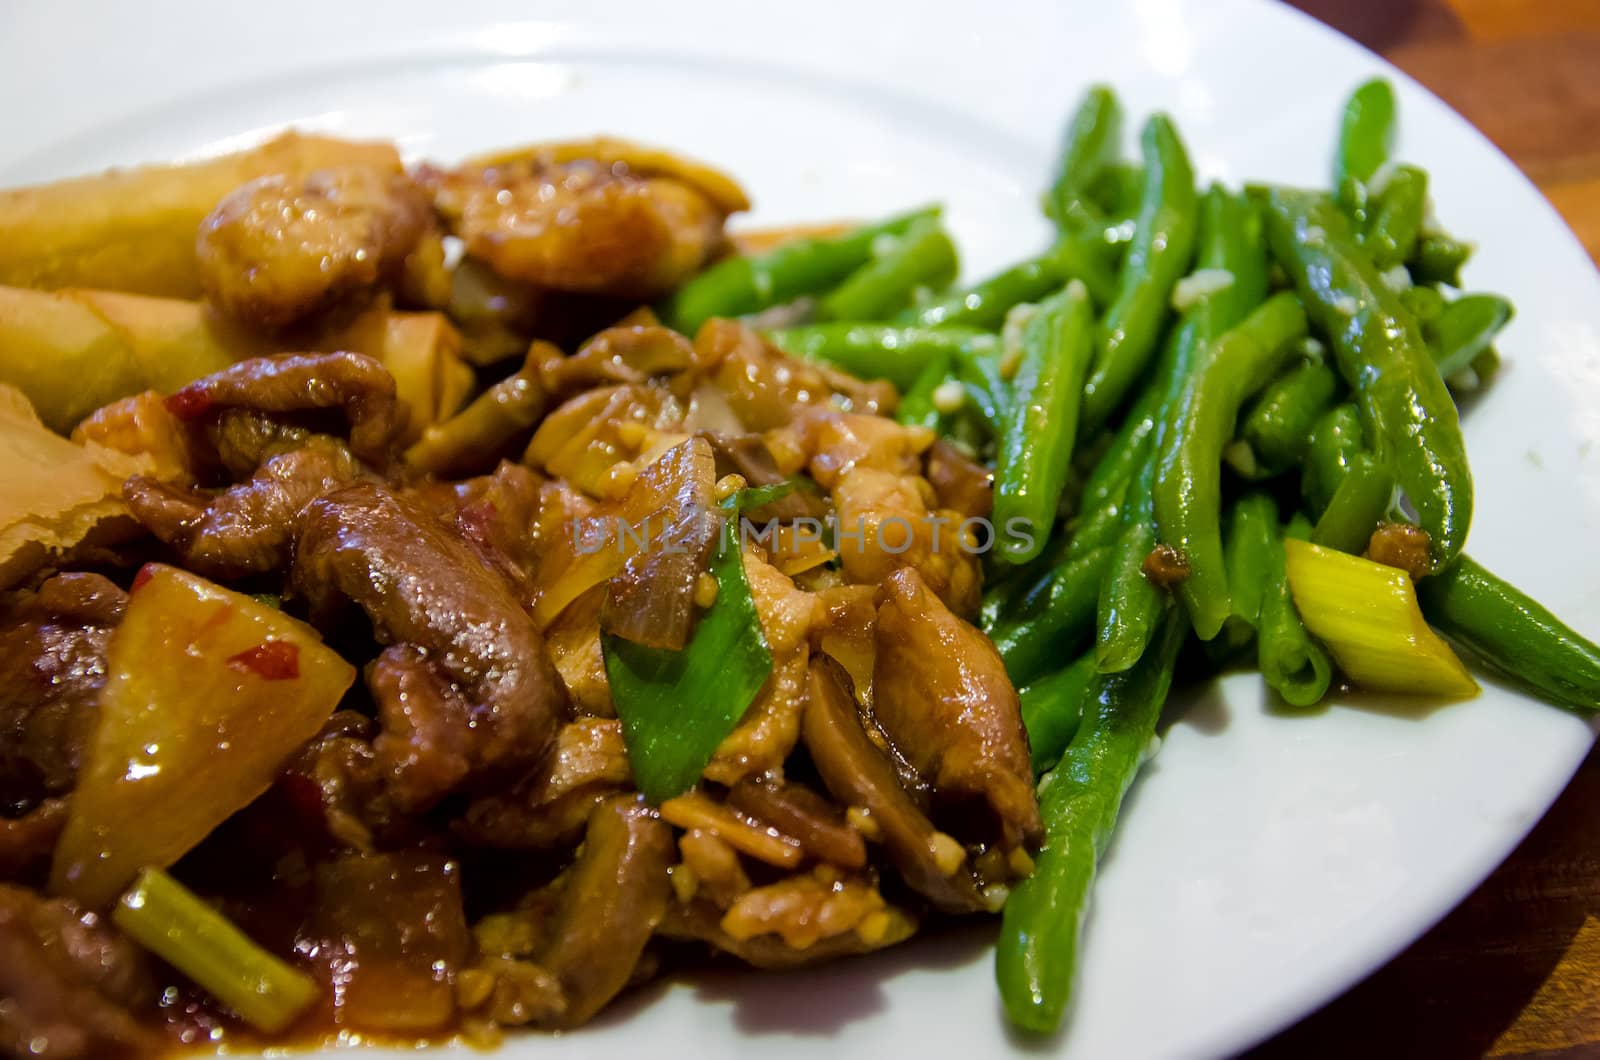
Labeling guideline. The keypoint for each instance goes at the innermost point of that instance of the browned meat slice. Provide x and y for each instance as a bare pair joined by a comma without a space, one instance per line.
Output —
69,984
388,933
942,696
249,528
860,774
488,702
960,484
291,383
623,354
335,784
796,810
495,512
579,226
578,943
277,251
588,763
52,665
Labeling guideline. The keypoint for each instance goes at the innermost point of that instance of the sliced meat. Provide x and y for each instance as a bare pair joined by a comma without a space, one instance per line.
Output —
587,765
575,945
249,528
70,985
278,250
860,774
490,702
52,666
941,695
796,810
27,842
357,385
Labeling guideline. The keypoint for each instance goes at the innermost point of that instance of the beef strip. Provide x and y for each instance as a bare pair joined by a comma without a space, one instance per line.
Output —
487,701
52,665
69,983
250,528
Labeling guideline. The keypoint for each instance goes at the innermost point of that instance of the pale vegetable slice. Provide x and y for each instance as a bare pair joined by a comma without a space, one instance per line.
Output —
207,693
1367,615
54,494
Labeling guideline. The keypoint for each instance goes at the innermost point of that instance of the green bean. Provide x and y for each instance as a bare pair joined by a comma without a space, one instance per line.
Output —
1054,618
1391,235
1250,534
1092,142
1358,504
1366,132
1117,190
1278,423
977,367
1188,493
1405,407
1157,258
922,258
1514,633
1036,957
1356,201
1100,527
1120,461
916,404
1051,708
1129,606
1438,259
1464,329
741,285
878,351
985,304
1035,451
1424,303
1291,661
1336,442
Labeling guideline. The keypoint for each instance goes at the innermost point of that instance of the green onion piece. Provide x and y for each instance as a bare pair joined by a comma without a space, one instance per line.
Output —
676,707
166,918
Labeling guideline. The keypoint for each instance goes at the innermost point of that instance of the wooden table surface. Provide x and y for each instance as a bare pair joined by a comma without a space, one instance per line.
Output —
1515,970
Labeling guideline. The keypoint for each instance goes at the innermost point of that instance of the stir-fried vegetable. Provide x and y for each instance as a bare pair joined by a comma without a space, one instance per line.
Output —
201,943
208,693
1367,615
677,706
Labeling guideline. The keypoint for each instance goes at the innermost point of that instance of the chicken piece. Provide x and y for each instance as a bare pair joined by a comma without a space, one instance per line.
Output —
559,960
847,618
69,983
250,528
942,697
353,383
587,765
52,667
747,456
277,251
579,226
859,773
836,443
488,700
885,523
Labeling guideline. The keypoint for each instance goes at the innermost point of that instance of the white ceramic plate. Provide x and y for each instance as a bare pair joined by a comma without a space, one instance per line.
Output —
1265,862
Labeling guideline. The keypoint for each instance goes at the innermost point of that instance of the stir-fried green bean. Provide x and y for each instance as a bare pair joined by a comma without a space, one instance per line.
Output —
1091,144
923,258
